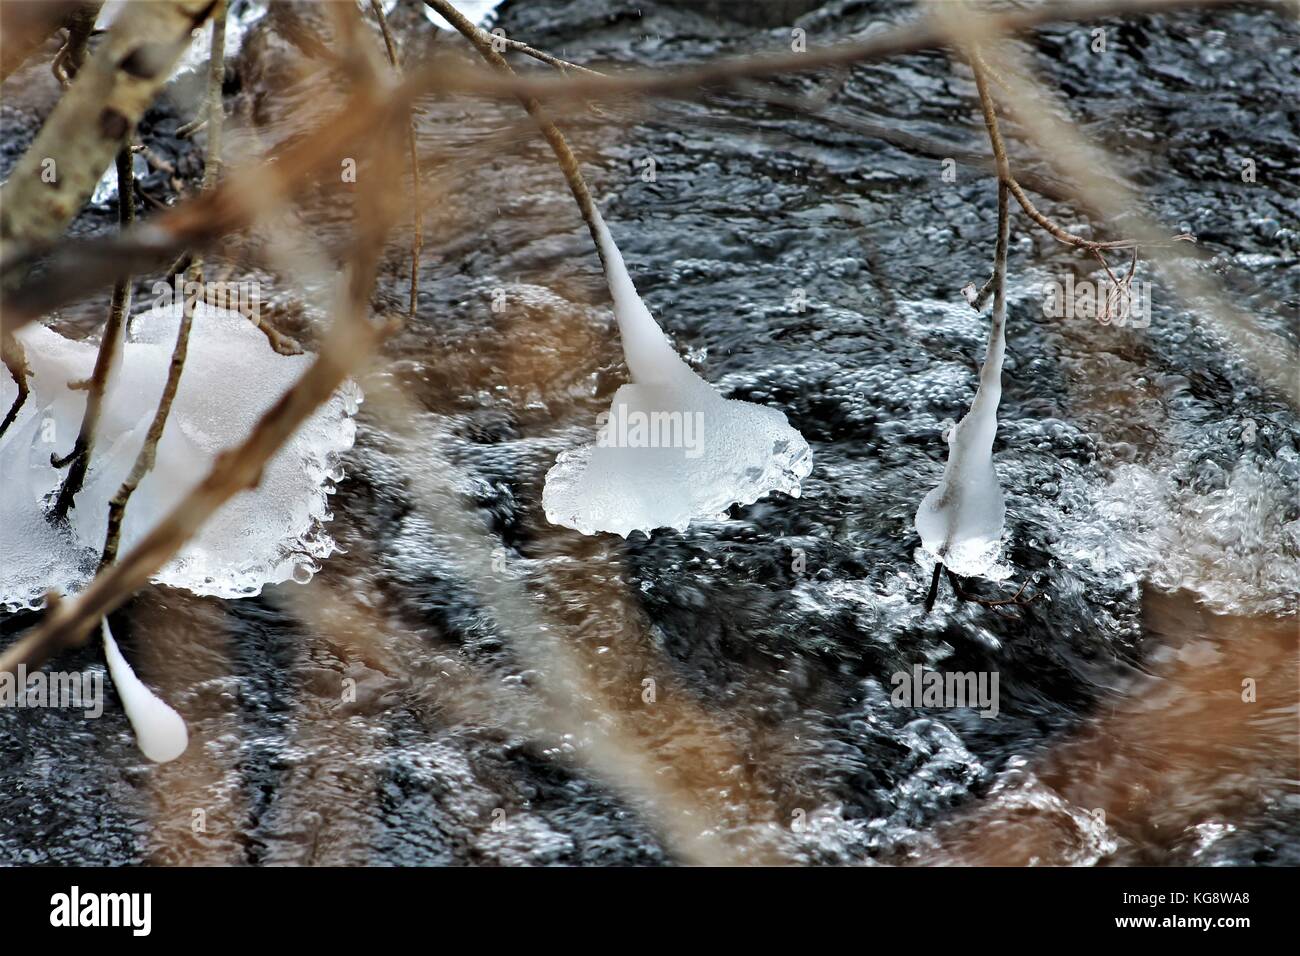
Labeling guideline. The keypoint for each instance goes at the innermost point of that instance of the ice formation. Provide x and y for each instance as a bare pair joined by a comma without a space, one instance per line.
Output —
960,521
266,535
671,449
159,731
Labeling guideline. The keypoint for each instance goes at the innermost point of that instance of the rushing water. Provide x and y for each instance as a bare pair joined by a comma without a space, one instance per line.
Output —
1150,488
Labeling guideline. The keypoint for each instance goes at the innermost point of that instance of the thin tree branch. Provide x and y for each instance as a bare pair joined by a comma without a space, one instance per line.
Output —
817,108
71,56
1003,165
109,348
144,460
417,211
214,104
15,360
929,33
568,162
562,65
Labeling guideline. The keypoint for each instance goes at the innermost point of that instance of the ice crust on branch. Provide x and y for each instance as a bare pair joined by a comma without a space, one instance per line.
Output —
232,376
671,449
961,520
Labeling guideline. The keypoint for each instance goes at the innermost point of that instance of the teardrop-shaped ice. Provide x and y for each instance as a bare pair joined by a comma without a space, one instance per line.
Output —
960,521
159,731
670,449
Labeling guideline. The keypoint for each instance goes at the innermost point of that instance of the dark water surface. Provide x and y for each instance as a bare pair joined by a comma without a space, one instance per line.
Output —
1150,484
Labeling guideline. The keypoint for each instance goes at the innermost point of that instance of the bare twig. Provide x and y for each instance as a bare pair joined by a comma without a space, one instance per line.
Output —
417,212
816,107
144,460
199,123
568,162
687,81
81,23
109,347
993,604
1104,190
15,360
1003,164
214,106
563,66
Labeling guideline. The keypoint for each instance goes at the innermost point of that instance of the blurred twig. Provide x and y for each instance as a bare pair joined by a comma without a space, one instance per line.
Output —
94,119
687,81
71,56
417,212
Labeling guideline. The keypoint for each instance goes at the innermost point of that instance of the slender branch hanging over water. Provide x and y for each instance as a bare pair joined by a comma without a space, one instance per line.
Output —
417,210
568,162
144,461
110,346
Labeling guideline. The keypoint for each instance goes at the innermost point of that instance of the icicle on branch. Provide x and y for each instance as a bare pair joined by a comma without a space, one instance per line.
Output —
617,486
961,520
349,343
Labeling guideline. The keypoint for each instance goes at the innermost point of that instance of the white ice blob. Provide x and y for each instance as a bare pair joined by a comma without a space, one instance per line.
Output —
159,730
960,521
671,449
266,535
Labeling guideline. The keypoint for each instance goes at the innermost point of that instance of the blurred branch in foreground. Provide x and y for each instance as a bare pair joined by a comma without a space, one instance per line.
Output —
94,119
78,268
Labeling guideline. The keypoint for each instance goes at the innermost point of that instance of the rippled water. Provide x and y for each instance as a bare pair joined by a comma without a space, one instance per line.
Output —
1150,486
